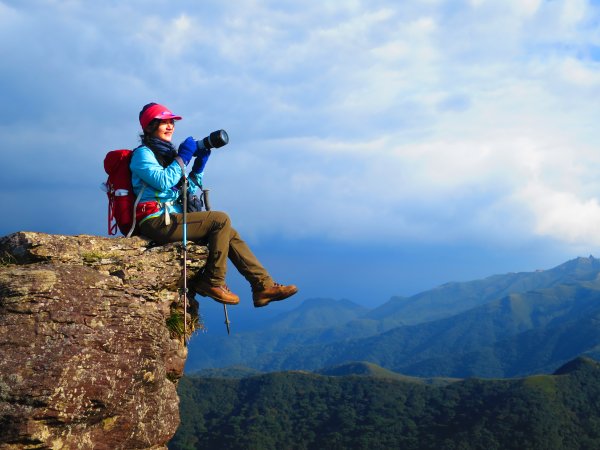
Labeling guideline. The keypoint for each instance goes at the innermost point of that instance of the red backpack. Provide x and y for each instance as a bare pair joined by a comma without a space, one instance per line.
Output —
121,199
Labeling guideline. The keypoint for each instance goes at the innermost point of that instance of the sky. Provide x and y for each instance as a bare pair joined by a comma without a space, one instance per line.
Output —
377,148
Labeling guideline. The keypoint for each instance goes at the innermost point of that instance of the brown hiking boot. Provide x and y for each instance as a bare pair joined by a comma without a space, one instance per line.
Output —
221,294
272,294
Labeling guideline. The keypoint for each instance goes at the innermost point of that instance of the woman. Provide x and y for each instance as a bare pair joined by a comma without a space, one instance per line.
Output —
157,168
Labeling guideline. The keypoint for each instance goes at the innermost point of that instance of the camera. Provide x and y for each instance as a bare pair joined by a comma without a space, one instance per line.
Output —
215,139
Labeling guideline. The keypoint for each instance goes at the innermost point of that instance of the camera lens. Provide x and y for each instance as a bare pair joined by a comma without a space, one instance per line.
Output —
215,139
219,138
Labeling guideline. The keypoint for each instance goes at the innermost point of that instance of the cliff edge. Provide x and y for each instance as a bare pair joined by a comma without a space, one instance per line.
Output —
91,344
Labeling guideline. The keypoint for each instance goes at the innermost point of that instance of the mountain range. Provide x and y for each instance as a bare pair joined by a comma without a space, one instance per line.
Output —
508,325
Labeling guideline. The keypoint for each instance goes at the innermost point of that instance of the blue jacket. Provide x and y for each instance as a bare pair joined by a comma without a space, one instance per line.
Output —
161,182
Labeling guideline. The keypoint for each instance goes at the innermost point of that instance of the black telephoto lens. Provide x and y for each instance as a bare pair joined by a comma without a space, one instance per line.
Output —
215,139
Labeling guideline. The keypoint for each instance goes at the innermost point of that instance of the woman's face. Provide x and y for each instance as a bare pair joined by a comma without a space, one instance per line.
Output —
165,130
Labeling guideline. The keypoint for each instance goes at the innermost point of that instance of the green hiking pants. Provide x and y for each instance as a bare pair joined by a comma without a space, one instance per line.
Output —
212,228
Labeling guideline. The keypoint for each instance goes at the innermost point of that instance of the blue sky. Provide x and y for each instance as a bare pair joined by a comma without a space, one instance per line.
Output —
377,148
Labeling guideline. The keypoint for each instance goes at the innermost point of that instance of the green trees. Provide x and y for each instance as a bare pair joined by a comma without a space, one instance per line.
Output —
295,410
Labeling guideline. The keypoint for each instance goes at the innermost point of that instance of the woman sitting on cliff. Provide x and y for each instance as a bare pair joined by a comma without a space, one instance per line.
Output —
158,166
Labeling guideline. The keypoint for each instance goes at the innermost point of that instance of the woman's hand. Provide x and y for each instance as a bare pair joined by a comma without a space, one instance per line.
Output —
201,155
187,149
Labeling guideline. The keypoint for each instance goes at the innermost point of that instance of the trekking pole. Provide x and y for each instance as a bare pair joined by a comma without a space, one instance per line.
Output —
205,199
207,207
185,289
227,322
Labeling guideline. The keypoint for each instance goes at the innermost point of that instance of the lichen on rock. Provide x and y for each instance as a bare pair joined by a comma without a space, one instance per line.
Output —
87,357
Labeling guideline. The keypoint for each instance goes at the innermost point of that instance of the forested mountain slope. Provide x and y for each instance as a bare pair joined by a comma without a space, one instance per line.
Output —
297,410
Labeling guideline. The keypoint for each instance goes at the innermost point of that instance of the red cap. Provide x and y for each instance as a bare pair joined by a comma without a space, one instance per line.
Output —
155,111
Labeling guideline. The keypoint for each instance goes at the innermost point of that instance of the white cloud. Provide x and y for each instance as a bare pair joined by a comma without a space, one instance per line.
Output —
562,214
421,120
573,11
526,7
585,74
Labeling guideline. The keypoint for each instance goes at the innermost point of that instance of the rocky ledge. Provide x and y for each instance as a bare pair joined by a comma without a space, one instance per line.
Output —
91,342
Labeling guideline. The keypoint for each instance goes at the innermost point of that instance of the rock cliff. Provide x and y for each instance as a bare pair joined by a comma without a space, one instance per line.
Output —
91,343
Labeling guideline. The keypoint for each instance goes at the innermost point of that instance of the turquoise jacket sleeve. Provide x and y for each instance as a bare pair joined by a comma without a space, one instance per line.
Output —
145,167
161,182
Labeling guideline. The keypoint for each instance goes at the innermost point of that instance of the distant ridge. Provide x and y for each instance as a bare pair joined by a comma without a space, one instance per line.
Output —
455,297
367,369
318,313
227,372
579,364
362,368
514,336
504,325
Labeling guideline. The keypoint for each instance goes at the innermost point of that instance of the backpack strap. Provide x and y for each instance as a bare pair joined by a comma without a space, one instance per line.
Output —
181,164
137,200
167,204
167,215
